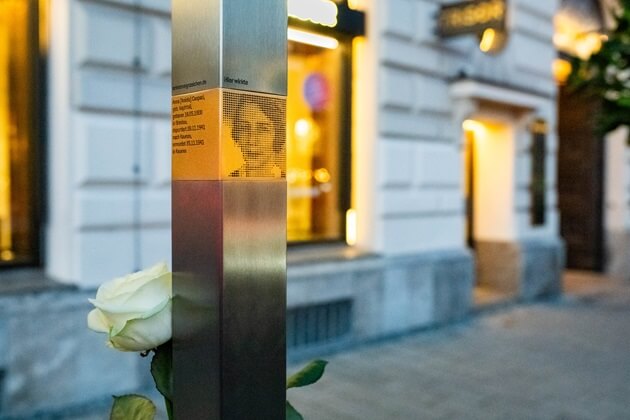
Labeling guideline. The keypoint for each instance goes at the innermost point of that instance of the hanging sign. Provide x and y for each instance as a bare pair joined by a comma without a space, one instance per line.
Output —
471,17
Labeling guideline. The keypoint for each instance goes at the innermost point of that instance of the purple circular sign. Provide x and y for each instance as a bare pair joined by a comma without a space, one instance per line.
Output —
316,91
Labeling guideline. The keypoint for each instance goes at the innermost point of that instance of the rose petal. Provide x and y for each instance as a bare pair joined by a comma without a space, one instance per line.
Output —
144,334
130,283
141,299
143,303
97,321
150,293
122,343
115,320
120,321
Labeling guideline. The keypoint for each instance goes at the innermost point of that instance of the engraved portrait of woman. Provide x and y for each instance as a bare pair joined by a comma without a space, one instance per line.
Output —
258,129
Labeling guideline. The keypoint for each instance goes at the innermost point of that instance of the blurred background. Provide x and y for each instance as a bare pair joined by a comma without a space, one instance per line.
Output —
439,167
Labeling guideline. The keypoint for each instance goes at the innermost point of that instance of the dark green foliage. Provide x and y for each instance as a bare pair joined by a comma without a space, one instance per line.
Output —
161,370
292,413
606,74
308,375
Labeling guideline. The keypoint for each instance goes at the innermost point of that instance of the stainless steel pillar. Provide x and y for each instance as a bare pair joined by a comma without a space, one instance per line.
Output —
229,208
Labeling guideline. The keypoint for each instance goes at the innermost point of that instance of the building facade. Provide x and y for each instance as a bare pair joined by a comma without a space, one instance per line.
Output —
421,170
411,93
592,169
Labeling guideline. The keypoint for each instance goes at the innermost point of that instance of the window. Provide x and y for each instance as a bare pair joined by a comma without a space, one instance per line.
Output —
318,126
18,131
538,183
317,143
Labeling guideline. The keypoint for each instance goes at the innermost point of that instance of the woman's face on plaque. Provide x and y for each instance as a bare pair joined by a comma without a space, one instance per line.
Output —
256,137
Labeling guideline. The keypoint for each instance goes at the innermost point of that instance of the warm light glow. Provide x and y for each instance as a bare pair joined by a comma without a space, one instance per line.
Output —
18,49
561,70
588,44
492,40
491,153
321,12
303,127
487,40
576,37
321,175
355,4
7,255
314,121
312,39
351,227
362,136
6,13
474,126
561,40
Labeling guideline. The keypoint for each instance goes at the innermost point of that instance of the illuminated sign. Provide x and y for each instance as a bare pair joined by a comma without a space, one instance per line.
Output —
326,17
321,12
471,17
311,38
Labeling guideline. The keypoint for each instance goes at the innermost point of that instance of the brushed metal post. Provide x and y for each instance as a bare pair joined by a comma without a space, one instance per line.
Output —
229,220
224,43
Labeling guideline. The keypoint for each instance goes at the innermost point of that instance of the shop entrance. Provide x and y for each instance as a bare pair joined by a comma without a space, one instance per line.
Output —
488,191
19,60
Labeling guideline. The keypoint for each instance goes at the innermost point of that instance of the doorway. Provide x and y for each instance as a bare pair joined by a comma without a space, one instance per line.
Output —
489,195
580,181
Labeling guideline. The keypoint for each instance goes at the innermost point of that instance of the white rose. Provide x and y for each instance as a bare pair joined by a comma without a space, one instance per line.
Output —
135,310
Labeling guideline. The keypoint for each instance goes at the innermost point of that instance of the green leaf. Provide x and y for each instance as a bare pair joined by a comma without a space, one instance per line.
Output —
292,413
132,407
162,372
162,368
308,375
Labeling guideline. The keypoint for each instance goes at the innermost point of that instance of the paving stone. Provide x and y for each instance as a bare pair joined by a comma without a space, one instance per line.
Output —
565,359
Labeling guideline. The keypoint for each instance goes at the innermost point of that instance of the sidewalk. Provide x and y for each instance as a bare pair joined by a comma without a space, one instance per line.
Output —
563,359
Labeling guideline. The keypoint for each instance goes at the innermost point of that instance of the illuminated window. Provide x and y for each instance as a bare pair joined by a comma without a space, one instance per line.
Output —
317,142
18,133
318,121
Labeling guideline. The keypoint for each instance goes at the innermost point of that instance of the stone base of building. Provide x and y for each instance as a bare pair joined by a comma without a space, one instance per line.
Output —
372,297
45,343
525,270
618,254
50,360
